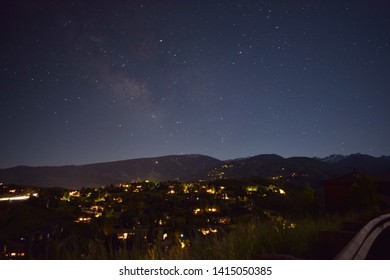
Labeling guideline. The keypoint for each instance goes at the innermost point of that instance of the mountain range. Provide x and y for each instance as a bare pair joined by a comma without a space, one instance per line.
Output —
194,167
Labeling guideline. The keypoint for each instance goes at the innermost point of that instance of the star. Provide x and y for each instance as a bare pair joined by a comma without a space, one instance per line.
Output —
159,78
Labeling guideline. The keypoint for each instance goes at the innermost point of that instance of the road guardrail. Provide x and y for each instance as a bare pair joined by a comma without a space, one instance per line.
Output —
359,246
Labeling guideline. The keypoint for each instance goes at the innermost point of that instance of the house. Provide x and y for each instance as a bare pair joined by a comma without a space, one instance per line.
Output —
13,250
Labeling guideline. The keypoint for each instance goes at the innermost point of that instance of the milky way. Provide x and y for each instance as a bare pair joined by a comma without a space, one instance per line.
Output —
93,81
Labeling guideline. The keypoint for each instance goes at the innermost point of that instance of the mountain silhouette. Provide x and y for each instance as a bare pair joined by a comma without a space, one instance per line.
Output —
193,167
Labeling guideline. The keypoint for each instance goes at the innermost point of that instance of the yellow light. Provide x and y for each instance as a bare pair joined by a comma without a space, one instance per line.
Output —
23,197
252,188
123,236
208,231
224,220
292,225
74,193
282,192
83,220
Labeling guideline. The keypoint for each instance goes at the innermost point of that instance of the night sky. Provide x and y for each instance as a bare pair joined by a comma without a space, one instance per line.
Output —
94,81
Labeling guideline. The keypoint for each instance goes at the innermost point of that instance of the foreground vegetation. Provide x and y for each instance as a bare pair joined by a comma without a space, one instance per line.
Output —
227,219
275,238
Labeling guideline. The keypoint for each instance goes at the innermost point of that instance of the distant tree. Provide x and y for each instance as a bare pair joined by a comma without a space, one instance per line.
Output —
309,198
364,195
107,225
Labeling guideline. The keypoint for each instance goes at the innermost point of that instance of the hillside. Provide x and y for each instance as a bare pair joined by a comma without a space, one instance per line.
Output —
158,169
195,167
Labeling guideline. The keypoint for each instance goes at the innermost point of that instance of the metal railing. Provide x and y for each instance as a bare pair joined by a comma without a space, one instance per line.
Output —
359,246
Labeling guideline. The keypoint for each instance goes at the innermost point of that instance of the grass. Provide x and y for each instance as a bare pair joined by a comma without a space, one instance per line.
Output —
298,239
273,237
253,240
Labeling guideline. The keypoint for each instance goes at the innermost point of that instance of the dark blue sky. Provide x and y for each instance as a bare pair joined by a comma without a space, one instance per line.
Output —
94,81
